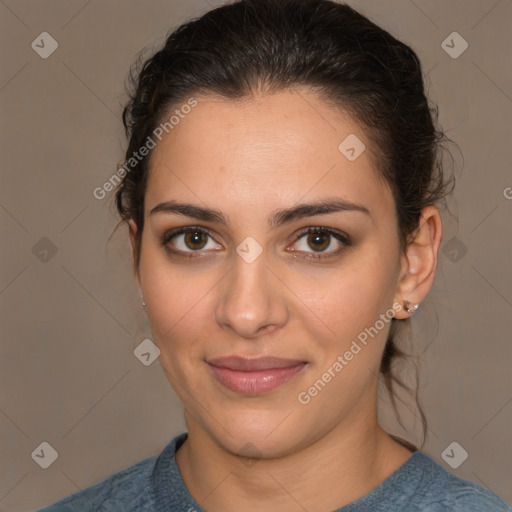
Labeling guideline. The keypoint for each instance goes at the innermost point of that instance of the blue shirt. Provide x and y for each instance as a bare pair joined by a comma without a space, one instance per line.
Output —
155,484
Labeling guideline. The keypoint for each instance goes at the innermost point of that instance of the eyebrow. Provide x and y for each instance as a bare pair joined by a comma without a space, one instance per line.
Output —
278,217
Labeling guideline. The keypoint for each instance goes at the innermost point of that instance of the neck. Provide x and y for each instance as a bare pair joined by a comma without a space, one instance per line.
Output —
341,466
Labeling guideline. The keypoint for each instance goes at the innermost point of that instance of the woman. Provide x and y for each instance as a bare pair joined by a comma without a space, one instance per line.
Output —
280,188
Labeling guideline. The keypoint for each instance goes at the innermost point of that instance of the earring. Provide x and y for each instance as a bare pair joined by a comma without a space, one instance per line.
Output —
143,303
410,307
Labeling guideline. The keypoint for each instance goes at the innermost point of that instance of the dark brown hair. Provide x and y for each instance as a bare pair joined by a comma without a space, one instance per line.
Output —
250,46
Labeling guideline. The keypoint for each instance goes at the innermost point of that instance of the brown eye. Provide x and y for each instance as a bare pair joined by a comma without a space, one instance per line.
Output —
189,240
319,241
195,240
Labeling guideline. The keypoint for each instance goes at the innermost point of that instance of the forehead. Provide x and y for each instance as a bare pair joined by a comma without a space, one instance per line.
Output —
279,148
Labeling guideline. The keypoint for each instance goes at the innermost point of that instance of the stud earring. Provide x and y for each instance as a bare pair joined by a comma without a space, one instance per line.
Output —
410,307
143,302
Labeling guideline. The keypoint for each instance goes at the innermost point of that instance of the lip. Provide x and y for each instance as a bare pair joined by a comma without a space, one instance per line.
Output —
254,376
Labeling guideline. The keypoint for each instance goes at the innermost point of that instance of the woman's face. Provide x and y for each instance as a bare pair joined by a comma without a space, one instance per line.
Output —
248,281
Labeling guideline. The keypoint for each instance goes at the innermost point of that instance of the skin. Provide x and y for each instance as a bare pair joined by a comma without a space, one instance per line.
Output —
247,160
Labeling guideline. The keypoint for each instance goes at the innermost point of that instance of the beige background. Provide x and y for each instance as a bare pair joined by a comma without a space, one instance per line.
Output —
68,375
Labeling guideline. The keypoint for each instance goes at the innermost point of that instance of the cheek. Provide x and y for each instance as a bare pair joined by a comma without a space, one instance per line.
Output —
173,292
349,341
351,299
180,306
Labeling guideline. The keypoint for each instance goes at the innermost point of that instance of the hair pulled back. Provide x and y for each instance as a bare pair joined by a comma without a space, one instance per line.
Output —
253,46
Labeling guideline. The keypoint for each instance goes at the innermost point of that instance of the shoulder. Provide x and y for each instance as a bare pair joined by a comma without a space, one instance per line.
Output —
130,489
440,490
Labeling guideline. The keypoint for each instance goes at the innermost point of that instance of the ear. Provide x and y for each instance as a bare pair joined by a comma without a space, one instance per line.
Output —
132,228
418,267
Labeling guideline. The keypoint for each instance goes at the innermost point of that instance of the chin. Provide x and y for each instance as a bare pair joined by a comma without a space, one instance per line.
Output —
259,445
257,434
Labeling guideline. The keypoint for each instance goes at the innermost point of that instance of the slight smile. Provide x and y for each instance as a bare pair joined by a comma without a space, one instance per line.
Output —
254,376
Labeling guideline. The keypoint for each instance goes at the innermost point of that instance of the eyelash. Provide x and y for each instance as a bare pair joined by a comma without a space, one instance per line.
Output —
341,237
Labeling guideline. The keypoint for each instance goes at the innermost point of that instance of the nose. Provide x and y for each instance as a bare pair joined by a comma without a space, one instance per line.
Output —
252,301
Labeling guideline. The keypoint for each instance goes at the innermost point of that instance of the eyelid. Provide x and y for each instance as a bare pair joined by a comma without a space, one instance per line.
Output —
184,229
